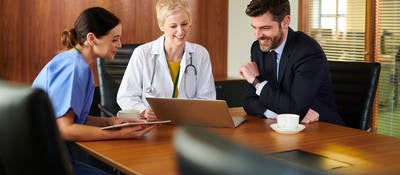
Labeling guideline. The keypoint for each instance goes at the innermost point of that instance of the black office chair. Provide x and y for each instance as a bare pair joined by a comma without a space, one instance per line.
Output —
231,91
202,152
94,108
110,74
30,140
355,85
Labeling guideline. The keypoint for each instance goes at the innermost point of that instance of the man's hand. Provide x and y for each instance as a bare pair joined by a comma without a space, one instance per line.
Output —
311,116
249,71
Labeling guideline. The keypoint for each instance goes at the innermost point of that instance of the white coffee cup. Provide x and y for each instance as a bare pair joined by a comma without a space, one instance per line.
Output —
131,113
287,121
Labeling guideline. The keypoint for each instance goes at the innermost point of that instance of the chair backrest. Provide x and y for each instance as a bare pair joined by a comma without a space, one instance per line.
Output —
94,108
110,73
355,85
202,152
30,140
231,91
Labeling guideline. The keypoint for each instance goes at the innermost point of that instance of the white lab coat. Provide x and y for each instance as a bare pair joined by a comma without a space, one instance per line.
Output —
137,78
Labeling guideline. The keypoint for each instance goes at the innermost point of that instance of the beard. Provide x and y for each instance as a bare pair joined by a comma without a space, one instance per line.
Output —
264,48
273,41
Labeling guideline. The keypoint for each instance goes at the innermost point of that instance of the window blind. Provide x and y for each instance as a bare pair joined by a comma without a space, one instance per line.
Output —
339,27
387,52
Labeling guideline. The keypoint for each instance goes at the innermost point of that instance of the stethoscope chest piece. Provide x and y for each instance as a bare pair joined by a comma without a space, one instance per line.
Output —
150,90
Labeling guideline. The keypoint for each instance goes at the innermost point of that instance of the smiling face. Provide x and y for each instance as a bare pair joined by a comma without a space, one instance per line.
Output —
176,28
107,45
269,33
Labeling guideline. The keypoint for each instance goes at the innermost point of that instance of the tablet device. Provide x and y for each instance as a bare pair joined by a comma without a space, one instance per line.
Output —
136,123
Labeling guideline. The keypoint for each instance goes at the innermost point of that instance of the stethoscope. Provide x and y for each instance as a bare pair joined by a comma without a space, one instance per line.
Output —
188,69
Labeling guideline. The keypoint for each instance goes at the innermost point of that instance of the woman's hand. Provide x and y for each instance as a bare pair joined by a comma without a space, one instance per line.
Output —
148,115
119,120
136,131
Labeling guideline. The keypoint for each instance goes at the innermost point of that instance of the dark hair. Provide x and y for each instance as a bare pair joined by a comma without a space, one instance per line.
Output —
96,20
278,8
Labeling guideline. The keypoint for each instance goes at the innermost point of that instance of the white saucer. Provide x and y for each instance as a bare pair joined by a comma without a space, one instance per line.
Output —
299,128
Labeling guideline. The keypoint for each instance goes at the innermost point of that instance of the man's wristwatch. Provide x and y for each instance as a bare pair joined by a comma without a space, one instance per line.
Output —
258,79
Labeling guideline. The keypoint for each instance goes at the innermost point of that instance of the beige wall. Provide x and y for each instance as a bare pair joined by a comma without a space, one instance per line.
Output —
240,35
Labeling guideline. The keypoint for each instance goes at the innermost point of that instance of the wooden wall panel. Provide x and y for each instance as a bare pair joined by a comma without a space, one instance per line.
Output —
30,30
210,29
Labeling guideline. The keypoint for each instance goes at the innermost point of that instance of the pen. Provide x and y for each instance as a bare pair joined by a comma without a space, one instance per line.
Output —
106,111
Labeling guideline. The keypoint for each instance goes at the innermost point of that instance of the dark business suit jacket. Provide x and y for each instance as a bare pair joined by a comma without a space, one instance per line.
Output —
304,81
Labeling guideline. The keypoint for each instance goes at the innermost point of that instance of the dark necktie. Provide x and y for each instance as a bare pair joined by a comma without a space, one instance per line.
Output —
274,64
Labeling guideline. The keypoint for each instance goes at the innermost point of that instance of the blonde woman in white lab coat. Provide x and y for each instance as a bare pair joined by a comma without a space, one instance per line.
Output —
169,66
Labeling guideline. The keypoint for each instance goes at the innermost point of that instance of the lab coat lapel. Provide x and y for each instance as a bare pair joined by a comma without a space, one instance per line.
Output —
182,70
165,80
162,66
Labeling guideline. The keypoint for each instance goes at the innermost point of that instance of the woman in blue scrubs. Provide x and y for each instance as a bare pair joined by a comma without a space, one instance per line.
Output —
69,81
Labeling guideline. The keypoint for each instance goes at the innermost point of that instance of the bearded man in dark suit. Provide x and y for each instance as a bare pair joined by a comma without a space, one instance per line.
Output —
288,72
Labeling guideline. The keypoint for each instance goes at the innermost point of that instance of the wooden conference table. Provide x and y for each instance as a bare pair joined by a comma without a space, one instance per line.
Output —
368,153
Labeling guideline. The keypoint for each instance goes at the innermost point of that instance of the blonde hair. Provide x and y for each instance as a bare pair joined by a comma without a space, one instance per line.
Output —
166,7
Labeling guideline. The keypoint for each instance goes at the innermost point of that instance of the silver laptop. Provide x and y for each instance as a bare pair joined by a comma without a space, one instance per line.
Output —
212,113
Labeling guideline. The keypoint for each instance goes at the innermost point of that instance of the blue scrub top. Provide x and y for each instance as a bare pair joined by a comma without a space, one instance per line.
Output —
69,82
